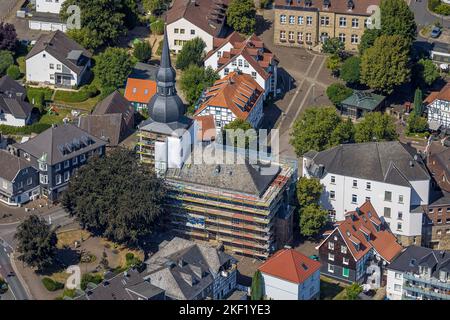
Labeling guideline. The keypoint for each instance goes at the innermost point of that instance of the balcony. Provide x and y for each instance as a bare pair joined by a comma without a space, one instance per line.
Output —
426,292
429,281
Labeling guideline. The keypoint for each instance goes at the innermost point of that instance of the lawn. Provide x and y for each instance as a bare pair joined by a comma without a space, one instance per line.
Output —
87,105
330,289
67,238
33,92
54,118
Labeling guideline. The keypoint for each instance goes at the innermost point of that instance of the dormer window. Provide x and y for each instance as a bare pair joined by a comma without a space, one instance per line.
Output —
350,5
424,271
443,276
326,4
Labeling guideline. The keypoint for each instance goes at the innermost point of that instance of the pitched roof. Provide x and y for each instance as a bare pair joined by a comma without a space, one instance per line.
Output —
64,49
144,71
9,86
59,143
387,161
140,90
444,94
206,127
290,265
17,107
10,165
218,43
114,103
339,6
364,100
206,14
360,233
237,92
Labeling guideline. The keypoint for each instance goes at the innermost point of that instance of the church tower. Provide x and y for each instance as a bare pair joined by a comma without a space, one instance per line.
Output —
165,138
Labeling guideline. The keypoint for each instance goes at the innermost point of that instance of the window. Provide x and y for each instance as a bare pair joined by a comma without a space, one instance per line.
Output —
398,276
66,176
52,77
283,18
367,198
331,245
323,37
100,151
75,160
354,198
283,35
246,65
291,19
192,31
42,166
355,39
387,196
330,268
345,272
300,36
181,31
442,275
332,195
333,179
399,226
308,37
342,22
29,180
226,71
58,179
342,37
66,164
367,22
176,30
368,186
397,287
82,157
309,21
331,257
400,215
291,35
345,260
254,74
20,186
355,184
43,178
355,23
219,54
387,212
300,20
52,66
400,199
324,21
343,249
58,67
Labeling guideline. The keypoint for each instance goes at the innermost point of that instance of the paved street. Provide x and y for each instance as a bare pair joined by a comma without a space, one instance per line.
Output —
423,17
15,286
5,8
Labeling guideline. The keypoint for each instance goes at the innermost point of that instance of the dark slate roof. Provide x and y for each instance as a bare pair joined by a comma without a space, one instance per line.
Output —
389,161
184,268
10,88
364,100
413,257
128,285
114,103
10,165
60,46
144,71
54,140
17,107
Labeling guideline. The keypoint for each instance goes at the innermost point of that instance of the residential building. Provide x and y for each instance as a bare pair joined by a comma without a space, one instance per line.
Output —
15,112
244,206
358,248
111,121
247,55
236,96
206,126
10,88
187,19
165,138
440,53
438,108
57,153
19,180
127,285
419,273
389,174
186,270
141,85
57,60
46,16
290,275
360,103
309,23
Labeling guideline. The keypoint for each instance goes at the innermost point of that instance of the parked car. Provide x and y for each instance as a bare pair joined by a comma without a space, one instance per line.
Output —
435,32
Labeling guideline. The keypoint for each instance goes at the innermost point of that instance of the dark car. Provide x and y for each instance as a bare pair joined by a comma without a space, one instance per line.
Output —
436,32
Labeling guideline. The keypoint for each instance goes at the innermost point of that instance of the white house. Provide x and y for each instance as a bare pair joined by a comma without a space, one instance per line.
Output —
188,19
290,275
438,108
56,59
15,112
389,174
46,17
246,55
236,96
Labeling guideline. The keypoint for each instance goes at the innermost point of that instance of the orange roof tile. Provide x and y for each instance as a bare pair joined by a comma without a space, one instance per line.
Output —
140,90
206,127
444,94
290,265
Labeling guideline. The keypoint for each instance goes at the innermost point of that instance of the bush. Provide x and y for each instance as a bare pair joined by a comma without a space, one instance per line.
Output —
6,60
25,130
13,72
142,51
443,9
52,285
157,27
90,277
85,93
22,64
70,293
38,93
159,49
350,70
338,92
131,260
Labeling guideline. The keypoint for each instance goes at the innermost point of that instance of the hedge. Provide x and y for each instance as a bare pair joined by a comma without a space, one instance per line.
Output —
52,285
36,92
89,277
81,95
25,130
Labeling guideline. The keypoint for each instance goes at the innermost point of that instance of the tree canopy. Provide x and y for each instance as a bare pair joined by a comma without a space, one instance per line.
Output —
8,37
368,39
156,7
36,242
398,19
418,102
312,220
308,191
333,46
416,123
426,71
192,52
6,60
142,51
350,70
116,197
241,16
385,65
375,126
352,291
112,67
257,286
337,92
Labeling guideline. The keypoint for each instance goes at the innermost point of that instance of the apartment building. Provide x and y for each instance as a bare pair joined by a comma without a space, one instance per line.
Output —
389,174
307,23
419,273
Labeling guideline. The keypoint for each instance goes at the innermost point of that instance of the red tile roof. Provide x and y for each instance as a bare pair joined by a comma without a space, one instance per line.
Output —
140,90
444,94
339,6
206,127
290,265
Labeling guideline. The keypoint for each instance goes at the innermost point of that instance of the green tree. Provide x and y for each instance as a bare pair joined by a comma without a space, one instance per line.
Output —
333,46
131,13
416,123
314,130
102,21
243,139
194,80
350,70
368,39
375,126
192,52
241,16
385,65
343,133
142,51
257,286
334,64
352,291
13,72
157,26
418,102
36,242
427,72
308,191
312,220
6,60
156,7
398,19
127,202
112,67
337,92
